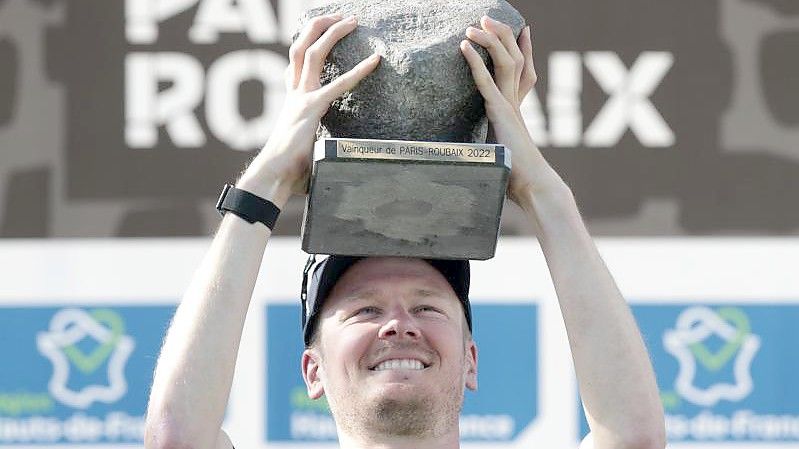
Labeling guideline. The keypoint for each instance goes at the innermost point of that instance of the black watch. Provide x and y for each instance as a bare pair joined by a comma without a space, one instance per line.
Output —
250,207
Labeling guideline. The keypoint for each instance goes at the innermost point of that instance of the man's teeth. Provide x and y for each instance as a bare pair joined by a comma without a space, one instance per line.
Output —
400,364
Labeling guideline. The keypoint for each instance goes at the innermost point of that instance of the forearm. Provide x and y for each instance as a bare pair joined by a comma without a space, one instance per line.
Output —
195,369
611,362
615,376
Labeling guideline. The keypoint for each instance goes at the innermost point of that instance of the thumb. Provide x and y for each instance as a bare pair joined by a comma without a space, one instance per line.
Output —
349,80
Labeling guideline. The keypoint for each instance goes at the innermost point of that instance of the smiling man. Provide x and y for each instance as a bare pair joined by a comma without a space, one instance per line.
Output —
391,352
388,340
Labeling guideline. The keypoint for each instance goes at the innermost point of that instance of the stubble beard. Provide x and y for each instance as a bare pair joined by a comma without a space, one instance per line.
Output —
419,416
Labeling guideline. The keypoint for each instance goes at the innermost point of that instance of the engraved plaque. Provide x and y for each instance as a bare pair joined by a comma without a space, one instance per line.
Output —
403,198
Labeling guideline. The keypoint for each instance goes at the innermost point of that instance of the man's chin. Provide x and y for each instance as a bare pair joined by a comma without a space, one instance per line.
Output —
401,415
399,405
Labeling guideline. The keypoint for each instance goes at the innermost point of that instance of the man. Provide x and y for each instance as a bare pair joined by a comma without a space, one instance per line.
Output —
393,352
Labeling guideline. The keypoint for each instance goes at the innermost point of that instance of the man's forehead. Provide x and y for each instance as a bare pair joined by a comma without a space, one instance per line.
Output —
367,273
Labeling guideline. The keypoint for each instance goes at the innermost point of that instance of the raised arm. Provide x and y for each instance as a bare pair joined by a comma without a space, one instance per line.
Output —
615,376
195,369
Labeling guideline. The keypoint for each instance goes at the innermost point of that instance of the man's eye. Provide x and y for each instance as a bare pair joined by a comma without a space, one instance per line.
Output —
426,308
366,311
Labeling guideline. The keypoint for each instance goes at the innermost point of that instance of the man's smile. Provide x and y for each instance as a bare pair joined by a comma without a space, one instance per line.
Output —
399,364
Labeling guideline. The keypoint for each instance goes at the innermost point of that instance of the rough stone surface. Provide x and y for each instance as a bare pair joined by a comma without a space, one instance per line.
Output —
423,89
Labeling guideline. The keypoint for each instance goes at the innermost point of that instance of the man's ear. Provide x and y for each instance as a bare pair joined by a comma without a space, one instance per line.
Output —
471,365
312,373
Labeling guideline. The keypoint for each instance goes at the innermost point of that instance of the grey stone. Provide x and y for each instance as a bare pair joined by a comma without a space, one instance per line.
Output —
423,89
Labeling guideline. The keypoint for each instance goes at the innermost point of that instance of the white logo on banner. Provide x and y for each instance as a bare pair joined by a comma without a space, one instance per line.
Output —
67,328
685,342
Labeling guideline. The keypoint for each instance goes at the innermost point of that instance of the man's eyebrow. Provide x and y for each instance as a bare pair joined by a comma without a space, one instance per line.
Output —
360,294
426,292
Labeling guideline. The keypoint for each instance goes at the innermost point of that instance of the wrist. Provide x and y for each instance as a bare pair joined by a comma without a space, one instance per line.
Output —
541,188
267,185
550,206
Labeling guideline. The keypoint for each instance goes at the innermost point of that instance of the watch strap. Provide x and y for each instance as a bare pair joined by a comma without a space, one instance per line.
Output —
248,206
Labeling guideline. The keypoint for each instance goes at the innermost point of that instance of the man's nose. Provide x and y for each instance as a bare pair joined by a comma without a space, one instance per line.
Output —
400,324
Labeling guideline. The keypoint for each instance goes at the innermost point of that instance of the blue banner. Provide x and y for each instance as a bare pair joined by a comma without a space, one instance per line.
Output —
77,375
726,372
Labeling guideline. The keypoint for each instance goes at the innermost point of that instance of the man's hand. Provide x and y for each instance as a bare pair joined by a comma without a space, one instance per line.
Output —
282,166
504,93
616,380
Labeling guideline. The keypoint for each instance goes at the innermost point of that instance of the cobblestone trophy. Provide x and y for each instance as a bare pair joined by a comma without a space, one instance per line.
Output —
401,167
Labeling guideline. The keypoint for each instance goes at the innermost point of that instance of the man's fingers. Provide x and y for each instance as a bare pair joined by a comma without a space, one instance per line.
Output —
508,39
310,34
506,72
506,36
349,80
482,77
317,53
529,77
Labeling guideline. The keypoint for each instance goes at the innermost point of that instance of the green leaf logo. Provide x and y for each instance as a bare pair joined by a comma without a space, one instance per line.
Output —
715,361
88,363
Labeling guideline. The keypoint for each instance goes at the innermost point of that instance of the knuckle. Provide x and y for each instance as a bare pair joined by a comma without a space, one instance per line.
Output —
340,27
295,53
314,53
506,61
345,77
317,23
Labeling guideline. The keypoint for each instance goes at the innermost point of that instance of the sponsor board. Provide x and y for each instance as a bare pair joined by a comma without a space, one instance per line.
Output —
499,411
663,278
725,372
79,375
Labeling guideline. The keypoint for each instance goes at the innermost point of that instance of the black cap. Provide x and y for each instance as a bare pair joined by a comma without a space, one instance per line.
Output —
319,278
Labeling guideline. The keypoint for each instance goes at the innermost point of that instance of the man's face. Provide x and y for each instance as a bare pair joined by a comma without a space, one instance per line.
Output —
392,347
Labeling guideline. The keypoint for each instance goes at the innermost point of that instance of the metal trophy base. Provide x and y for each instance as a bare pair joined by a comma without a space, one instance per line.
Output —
401,198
